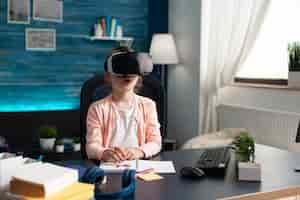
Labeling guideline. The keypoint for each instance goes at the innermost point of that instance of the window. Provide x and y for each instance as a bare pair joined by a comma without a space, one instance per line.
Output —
268,58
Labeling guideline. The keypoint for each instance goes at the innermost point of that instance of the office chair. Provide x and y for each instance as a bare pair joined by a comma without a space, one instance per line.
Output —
298,134
96,88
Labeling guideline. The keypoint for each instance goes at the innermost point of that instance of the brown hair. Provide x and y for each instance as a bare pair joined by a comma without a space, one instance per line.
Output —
122,49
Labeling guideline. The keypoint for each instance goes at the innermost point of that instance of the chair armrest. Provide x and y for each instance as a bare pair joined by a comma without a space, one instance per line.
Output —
169,144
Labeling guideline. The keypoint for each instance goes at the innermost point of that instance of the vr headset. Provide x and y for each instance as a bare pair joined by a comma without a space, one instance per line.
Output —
95,175
129,63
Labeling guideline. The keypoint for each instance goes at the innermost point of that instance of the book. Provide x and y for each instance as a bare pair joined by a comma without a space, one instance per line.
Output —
116,28
103,26
75,191
162,167
108,25
9,163
113,26
98,30
42,179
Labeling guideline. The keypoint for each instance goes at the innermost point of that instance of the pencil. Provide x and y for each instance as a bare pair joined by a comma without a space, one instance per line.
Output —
146,171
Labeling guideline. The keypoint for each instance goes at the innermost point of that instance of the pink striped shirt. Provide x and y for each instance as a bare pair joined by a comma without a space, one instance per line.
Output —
101,121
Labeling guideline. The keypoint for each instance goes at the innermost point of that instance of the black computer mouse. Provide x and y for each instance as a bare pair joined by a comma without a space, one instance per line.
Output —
191,172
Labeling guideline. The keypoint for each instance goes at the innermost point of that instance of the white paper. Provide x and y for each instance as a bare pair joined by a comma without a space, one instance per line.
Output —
161,167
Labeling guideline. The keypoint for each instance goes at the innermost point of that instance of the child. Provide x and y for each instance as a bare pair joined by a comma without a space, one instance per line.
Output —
123,125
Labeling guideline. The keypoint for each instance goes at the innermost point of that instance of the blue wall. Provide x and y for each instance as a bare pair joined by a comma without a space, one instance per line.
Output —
31,81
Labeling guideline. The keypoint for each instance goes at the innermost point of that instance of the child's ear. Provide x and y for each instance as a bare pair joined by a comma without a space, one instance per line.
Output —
107,77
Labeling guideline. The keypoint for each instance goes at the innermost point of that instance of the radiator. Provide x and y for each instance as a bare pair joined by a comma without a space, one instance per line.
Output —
275,128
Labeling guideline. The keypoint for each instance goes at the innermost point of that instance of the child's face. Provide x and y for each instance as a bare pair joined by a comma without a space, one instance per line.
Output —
124,83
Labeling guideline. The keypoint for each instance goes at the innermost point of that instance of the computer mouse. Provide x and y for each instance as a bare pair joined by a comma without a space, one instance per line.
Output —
191,172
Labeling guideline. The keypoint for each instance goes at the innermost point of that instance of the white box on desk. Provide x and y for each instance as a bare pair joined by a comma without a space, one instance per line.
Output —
249,171
9,163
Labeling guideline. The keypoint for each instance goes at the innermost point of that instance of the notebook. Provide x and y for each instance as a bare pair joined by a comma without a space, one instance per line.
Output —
75,191
42,179
162,167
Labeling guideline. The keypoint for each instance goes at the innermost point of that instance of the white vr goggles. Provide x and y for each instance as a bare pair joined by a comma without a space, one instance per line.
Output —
126,63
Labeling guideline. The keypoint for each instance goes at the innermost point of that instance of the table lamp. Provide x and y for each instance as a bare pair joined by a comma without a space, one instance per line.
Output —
163,49
163,52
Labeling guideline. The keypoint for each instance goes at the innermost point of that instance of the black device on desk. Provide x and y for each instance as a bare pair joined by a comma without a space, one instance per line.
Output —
191,172
214,161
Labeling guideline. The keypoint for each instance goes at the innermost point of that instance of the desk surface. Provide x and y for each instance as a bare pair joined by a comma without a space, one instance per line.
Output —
277,172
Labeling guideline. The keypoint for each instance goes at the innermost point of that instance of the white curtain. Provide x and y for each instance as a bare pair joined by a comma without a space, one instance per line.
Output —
228,31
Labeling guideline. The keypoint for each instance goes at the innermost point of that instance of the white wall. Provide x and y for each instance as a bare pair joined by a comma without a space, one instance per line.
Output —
270,99
183,79
282,107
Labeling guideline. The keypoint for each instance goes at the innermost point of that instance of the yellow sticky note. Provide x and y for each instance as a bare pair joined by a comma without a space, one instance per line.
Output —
149,176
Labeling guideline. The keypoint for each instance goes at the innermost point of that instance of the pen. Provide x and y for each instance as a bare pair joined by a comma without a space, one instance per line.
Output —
122,165
116,164
146,171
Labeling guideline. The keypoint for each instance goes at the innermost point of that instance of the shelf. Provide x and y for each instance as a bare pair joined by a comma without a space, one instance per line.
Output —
124,41
127,41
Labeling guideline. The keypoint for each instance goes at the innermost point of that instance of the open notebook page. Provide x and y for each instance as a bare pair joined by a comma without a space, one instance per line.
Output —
162,167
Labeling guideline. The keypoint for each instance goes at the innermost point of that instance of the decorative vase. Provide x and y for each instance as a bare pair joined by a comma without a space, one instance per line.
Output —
47,144
76,147
59,148
249,171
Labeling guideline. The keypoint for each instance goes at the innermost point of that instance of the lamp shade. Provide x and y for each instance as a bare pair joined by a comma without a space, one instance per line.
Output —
163,49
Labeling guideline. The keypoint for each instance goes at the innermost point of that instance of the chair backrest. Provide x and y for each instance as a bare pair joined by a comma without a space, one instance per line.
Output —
96,88
298,134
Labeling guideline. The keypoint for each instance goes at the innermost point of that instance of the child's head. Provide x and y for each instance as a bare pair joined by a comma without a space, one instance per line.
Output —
122,83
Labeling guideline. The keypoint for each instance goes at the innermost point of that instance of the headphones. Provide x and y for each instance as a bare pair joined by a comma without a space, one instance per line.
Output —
95,175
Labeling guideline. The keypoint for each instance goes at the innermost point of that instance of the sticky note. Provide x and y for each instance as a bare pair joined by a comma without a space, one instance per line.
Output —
149,176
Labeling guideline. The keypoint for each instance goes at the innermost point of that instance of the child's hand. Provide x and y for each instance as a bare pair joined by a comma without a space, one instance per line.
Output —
135,153
130,153
111,155
123,151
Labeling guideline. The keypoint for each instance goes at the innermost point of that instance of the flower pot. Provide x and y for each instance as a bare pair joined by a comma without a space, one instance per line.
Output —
59,148
294,79
249,171
76,147
47,144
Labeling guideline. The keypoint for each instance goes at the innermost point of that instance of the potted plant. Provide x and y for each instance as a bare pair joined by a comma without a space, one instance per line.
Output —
294,64
59,146
248,169
244,147
47,135
76,144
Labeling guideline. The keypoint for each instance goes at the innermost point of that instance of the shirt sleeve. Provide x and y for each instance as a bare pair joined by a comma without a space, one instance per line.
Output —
94,135
152,145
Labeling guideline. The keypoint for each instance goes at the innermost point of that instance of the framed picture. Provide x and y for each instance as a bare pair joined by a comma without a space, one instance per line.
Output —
18,11
48,10
40,39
